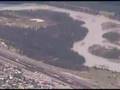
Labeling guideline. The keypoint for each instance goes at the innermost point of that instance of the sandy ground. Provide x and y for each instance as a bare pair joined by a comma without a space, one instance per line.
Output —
94,36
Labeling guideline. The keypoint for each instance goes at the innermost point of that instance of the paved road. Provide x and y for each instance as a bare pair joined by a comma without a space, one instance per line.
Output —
50,70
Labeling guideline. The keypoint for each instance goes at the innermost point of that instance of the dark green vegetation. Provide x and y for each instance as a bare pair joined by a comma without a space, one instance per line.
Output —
113,37
53,44
112,53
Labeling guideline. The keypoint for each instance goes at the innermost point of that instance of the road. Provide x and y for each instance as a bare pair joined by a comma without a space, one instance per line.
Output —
50,70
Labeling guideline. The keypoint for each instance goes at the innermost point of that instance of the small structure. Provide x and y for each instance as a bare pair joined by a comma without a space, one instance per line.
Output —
37,20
